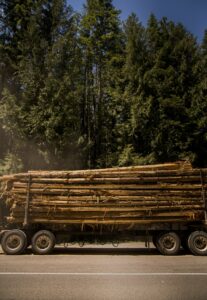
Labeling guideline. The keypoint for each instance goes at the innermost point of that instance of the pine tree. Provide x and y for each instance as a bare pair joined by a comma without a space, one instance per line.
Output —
161,111
133,72
198,110
46,104
14,17
102,46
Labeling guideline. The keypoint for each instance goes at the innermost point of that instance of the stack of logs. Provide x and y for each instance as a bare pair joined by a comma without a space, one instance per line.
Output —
173,192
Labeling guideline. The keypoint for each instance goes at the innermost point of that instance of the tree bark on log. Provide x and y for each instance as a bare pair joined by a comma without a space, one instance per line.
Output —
173,192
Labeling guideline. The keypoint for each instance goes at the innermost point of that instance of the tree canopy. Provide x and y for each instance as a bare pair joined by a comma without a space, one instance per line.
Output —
87,90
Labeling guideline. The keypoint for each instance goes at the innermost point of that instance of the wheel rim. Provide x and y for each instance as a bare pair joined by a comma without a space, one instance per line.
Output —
169,243
14,242
200,243
43,242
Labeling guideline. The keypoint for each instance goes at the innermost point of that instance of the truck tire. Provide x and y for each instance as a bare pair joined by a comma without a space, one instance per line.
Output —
168,243
14,242
43,242
197,243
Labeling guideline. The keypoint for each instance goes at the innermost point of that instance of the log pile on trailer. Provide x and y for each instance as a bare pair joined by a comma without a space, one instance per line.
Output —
173,192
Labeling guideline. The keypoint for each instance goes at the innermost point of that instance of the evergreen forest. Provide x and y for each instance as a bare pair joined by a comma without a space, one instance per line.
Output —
89,90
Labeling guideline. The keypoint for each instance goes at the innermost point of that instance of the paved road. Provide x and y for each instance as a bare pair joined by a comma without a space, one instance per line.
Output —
103,273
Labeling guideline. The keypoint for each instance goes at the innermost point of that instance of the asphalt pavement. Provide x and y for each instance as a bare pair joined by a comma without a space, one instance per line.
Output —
102,272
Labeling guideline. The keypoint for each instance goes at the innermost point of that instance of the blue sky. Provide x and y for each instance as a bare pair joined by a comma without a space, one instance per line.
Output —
191,13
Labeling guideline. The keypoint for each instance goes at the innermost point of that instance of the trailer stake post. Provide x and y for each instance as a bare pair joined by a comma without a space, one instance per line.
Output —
26,214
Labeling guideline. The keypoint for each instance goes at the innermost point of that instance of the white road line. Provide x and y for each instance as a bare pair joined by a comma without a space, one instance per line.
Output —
102,274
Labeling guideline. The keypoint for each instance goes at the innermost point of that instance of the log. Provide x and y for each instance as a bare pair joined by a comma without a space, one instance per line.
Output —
117,180
104,199
164,192
48,209
167,166
104,222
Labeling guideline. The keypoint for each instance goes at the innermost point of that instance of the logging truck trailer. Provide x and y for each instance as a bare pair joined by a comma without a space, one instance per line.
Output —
162,204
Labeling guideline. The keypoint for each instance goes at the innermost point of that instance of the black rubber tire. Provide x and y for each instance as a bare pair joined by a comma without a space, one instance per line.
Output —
14,242
197,243
168,243
43,242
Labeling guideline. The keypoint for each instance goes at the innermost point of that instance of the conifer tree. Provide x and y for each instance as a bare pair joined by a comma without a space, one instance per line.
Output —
14,17
161,110
132,80
199,108
101,41
46,102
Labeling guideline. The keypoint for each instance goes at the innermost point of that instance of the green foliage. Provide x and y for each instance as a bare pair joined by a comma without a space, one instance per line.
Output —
161,103
44,105
10,164
86,91
101,40
128,157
